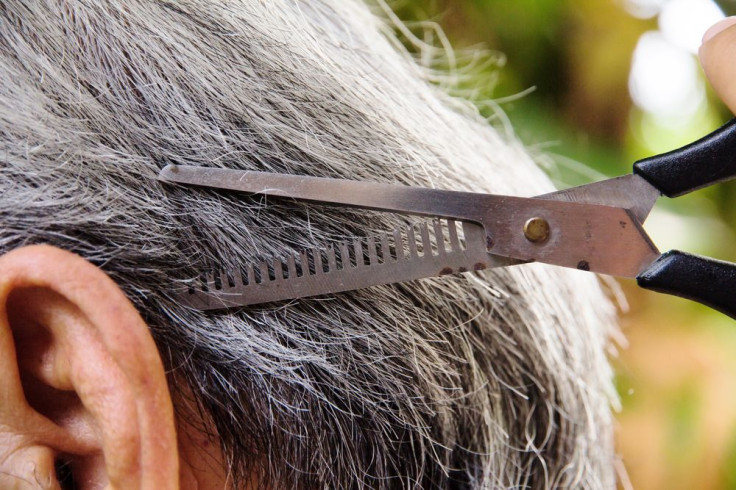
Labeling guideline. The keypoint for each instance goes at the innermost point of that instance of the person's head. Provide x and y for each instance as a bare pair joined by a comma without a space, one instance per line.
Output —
494,379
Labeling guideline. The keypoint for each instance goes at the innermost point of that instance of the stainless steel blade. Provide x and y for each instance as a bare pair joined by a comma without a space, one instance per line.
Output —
630,192
593,237
388,258
420,201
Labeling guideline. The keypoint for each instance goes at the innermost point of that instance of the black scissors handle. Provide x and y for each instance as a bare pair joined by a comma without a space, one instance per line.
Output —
705,162
709,160
702,279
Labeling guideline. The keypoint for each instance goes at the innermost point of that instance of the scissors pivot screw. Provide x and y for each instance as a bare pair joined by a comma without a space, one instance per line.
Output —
536,230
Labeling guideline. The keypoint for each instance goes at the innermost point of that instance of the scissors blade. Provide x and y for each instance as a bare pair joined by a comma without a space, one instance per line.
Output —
630,192
395,198
407,253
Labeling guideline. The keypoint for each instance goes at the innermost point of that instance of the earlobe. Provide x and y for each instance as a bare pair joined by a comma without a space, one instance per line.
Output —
81,378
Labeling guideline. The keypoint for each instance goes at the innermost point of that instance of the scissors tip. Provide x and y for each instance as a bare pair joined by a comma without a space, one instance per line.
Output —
168,173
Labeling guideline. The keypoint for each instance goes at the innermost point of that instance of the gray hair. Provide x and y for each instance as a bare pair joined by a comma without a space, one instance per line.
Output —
487,380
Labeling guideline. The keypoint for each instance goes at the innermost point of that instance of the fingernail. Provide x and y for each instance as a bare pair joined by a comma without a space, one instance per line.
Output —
717,28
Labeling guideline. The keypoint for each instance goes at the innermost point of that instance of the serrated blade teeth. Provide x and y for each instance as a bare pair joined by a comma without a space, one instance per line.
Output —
398,245
383,258
291,267
359,253
250,277
439,238
331,260
454,239
412,241
345,261
426,243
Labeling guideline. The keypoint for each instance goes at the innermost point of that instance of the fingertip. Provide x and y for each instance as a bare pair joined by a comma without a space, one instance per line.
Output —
717,28
717,55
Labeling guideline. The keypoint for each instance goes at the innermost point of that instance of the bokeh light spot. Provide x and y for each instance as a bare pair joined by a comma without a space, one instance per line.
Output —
664,79
683,22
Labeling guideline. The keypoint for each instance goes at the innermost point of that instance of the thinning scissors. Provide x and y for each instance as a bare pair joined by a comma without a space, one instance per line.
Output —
595,227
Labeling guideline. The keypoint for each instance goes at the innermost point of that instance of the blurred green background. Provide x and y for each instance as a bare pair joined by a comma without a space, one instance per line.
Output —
591,86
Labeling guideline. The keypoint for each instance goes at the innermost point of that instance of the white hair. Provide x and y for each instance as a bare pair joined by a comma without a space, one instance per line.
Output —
495,379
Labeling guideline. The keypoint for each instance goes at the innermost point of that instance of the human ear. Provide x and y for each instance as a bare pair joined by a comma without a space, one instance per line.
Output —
83,395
